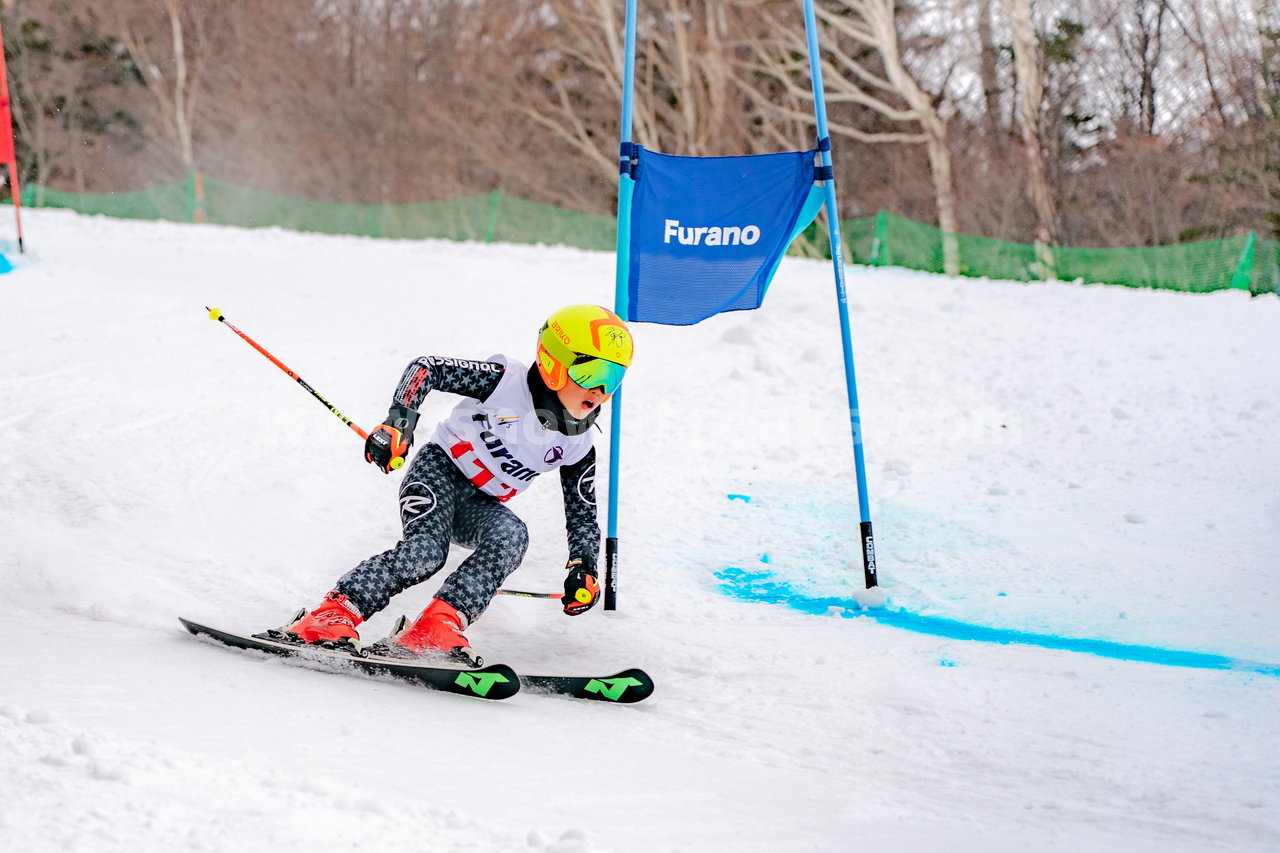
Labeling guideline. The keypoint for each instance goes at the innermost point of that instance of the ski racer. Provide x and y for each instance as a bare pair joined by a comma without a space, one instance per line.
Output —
513,424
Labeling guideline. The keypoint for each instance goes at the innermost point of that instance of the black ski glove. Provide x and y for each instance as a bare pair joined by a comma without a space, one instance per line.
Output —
581,588
389,444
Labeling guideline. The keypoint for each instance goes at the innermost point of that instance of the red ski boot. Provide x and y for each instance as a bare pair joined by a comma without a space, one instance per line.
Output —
438,632
334,621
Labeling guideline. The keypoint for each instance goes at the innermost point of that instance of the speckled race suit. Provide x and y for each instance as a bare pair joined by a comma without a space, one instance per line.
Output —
455,489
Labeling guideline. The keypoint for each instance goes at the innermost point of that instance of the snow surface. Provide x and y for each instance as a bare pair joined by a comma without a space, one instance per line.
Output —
1080,461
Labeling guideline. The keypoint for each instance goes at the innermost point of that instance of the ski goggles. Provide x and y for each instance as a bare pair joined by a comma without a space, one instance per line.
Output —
591,372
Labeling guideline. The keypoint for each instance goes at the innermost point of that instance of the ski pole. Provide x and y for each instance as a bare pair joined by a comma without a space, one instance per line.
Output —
556,595
216,314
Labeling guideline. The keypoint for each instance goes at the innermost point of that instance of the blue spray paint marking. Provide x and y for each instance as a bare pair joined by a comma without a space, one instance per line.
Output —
764,587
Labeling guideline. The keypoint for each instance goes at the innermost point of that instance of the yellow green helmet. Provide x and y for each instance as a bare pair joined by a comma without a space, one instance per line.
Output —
584,343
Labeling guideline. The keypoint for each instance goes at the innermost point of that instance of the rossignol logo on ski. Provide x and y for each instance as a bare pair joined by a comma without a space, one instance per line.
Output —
612,688
480,683
714,235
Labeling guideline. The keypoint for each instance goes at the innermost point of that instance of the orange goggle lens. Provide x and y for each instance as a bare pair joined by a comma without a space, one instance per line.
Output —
593,372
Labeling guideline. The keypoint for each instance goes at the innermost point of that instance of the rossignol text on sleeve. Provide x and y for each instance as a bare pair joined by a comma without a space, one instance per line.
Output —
476,379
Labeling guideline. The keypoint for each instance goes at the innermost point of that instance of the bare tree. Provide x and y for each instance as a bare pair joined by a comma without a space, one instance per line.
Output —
863,65
988,72
694,93
39,91
1030,105
566,93
1143,45
1242,70
70,91
168,40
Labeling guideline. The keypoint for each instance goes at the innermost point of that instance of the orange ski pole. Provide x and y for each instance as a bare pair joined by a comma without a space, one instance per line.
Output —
216,314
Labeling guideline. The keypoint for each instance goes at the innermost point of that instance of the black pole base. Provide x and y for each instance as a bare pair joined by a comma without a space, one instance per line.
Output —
869,555
611,573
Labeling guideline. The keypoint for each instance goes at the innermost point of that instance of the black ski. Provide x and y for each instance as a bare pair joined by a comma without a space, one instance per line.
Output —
623,688
630,685
497,681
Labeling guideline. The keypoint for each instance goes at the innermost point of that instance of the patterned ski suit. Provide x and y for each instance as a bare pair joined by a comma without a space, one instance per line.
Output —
508,429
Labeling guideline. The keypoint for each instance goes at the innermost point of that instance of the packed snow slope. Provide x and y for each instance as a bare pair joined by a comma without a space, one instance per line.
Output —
1080,462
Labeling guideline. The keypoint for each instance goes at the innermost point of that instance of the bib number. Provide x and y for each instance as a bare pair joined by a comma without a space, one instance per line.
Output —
481,479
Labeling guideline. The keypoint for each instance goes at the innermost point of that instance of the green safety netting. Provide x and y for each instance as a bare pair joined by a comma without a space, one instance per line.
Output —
522,221
461,219
488,217
1246,261
174,202
1265,276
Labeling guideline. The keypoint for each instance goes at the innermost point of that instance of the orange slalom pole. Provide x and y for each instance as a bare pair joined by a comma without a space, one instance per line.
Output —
216,314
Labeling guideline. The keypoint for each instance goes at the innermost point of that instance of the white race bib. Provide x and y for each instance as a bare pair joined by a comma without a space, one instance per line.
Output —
499,444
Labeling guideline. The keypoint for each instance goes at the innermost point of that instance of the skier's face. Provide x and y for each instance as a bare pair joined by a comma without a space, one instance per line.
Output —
580,402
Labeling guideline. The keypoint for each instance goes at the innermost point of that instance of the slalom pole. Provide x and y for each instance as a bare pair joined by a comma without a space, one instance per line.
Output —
842,300
625,188
216,314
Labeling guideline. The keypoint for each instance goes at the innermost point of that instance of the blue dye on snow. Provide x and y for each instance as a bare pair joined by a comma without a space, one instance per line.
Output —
766,588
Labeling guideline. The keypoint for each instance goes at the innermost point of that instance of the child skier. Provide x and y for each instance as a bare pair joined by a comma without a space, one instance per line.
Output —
512,425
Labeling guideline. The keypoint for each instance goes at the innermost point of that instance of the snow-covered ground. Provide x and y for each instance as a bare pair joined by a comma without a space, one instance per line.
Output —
1085,462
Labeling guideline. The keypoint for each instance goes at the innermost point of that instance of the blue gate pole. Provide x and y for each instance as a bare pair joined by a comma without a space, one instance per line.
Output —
621,275
837,258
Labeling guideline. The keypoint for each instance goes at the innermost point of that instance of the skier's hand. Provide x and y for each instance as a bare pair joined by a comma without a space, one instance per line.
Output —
388,445
581,589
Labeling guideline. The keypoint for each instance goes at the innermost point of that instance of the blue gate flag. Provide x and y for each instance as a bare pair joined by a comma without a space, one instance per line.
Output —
706,234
